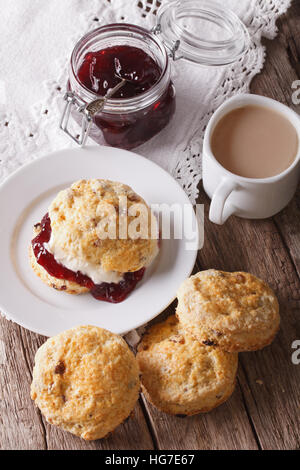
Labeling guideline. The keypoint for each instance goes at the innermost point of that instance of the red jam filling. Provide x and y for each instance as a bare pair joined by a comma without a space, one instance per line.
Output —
108,292
104,69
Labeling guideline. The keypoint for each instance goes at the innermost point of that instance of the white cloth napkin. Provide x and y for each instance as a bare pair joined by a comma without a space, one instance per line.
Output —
37,39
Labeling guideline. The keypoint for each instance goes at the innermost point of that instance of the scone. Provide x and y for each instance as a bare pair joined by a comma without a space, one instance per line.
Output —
235,311
179,374
97,236
58,284
86,381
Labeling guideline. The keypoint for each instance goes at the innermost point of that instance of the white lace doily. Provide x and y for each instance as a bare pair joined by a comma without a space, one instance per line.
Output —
37,39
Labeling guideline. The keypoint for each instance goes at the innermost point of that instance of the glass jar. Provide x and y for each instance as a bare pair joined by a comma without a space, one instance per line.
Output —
187,30
129,122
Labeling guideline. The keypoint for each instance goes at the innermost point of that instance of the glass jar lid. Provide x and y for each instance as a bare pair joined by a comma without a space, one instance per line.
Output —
201,31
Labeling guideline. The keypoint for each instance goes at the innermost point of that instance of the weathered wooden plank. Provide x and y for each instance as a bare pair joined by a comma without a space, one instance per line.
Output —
226,427
289,36
271,382
288,224
21,426
21,423
281,69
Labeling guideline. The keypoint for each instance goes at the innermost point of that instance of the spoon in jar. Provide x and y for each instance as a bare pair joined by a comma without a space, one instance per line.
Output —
89,110
97,105
93,108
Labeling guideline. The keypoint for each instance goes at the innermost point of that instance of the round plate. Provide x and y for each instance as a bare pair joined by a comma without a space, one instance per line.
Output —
24,199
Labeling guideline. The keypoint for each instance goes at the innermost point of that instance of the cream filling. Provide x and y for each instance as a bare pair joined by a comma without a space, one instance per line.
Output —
94,271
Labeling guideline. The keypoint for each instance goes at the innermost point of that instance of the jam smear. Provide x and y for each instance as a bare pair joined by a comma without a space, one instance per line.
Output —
104,69
108,292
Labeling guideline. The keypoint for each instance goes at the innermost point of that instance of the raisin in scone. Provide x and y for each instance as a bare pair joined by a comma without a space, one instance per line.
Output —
235,311
180,375
96,233
86,381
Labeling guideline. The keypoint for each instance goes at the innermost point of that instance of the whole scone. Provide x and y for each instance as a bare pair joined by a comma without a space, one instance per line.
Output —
76,216
86,381
180,375
101,229
235,311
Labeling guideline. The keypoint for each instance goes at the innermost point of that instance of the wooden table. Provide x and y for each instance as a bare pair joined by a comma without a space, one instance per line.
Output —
264,411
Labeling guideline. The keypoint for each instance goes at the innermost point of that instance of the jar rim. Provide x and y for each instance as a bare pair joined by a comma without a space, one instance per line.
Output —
144,99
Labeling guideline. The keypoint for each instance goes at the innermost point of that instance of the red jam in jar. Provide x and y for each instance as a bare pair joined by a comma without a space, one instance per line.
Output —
145,104
104,69
128,132
108,292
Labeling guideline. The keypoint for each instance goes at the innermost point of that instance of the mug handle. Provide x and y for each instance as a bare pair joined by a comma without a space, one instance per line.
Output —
220,211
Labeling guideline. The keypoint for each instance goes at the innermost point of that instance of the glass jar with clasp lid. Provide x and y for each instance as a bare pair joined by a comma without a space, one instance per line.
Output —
120,89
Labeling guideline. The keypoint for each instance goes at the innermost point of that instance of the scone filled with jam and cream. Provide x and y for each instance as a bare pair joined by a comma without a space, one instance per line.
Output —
97,236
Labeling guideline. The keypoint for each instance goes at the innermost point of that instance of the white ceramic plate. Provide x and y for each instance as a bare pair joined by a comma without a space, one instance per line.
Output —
24,199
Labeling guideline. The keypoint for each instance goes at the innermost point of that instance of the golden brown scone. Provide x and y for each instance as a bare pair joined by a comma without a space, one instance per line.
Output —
235,311
76,215
86,381
180,375
57,284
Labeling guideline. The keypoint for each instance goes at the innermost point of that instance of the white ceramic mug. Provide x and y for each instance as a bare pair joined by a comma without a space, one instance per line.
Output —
251,198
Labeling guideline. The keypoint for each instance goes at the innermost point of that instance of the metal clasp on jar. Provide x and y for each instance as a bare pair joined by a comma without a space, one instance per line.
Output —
175,46
87,110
